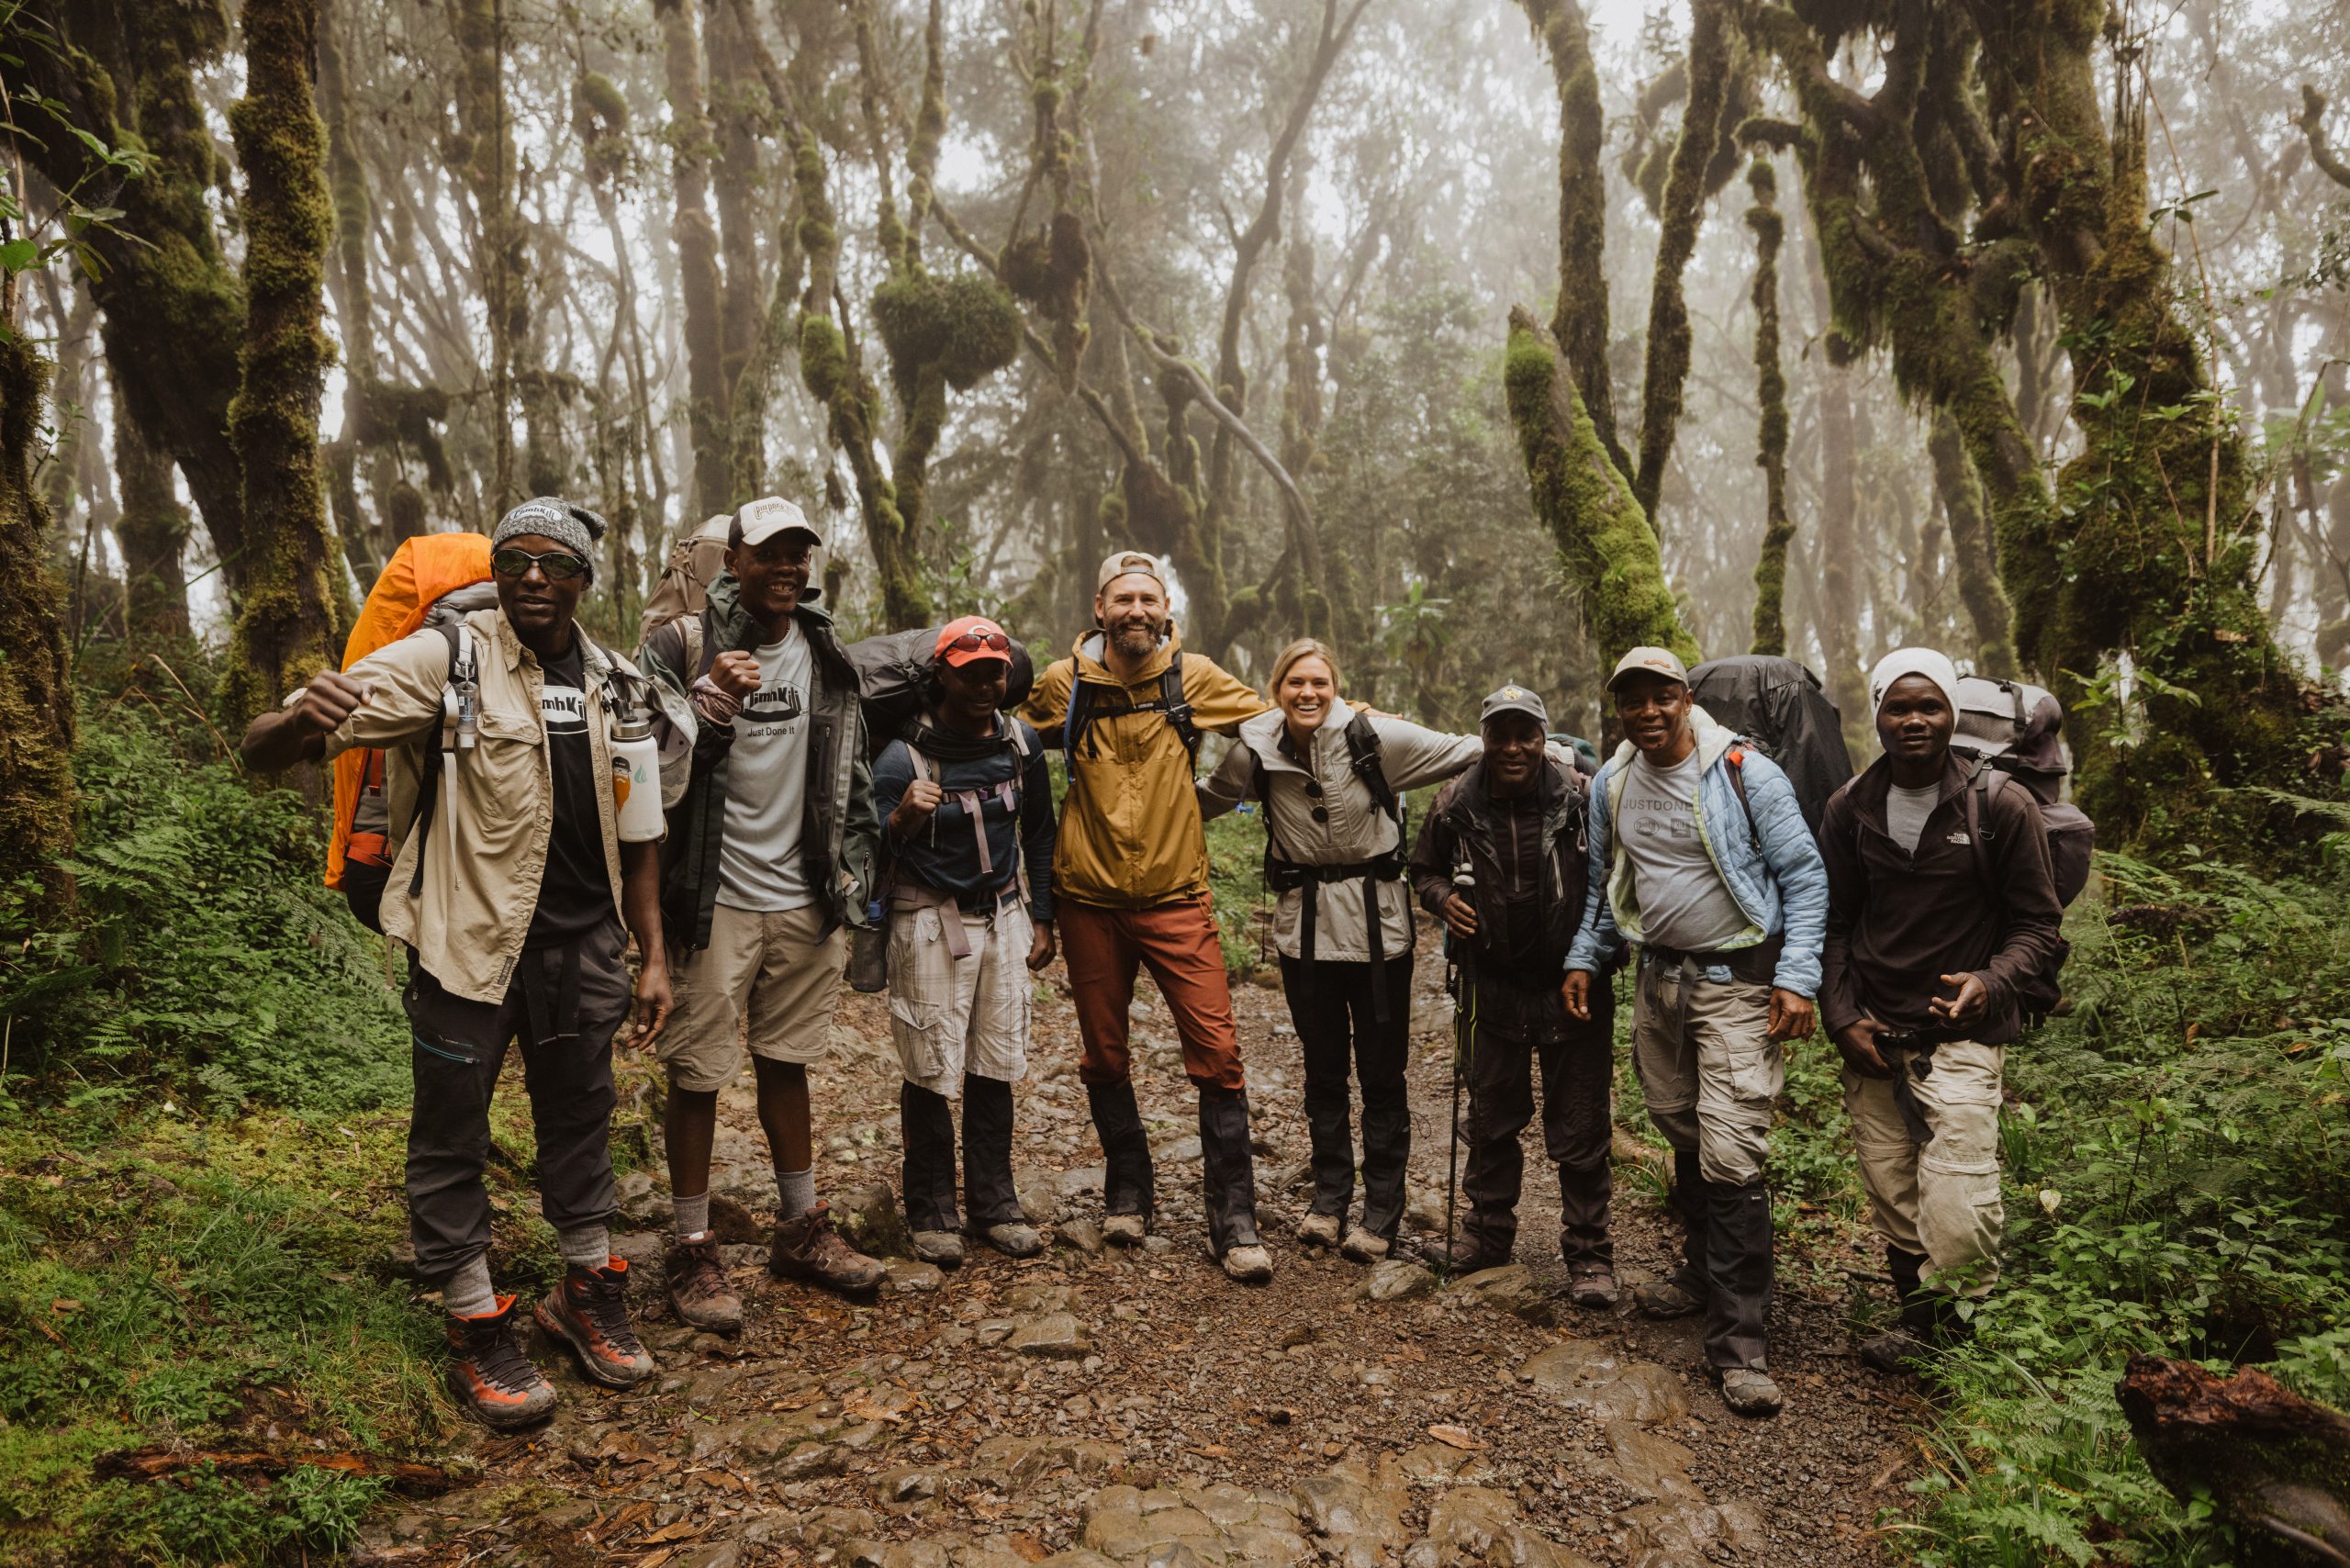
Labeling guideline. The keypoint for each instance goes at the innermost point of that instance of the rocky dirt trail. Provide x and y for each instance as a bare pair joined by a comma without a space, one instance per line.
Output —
1090,1409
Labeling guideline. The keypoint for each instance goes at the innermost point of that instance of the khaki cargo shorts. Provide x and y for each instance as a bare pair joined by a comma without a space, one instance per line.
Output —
774,970
951,1015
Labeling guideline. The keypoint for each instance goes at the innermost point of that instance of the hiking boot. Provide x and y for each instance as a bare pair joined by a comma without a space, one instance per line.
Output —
698,1292
1666,1298
1318,1230
588,1311
1251,1265
1896,1350
489,1377
1361,1247
1466,1255
1014,1239
1591,1286
1123,1230
809,1251
1749,1391
944,1247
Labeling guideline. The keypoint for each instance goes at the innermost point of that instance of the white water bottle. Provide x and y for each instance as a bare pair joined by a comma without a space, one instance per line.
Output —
636,776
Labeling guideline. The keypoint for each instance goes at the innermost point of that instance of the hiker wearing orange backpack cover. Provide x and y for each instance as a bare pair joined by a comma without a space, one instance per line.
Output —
509,885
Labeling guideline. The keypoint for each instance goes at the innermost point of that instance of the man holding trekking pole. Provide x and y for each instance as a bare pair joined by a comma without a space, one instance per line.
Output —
1501,861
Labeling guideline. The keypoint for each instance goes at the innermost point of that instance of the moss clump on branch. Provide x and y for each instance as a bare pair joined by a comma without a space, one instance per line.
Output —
964,325
823,357
36,689
1603,538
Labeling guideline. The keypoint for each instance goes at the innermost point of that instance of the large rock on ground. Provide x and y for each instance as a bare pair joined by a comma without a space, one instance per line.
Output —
1515,1289
869,1217
1395,1279
1475,1525
1585,1374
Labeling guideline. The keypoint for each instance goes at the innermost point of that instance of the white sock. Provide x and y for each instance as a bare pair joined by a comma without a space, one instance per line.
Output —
589,1247
467,1292
691,1215
795,1191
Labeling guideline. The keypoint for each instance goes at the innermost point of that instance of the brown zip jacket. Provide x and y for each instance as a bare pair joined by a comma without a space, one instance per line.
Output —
1130,836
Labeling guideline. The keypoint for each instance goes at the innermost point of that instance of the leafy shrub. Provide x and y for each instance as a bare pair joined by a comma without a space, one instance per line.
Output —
213,959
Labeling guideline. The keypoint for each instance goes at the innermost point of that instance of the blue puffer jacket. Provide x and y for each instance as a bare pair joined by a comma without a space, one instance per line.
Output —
1782,885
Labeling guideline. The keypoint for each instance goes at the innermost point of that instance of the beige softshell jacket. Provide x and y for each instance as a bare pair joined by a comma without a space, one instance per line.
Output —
498,811
1409,756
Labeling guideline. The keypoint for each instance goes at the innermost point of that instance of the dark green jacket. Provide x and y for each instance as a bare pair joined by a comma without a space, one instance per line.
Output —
839,838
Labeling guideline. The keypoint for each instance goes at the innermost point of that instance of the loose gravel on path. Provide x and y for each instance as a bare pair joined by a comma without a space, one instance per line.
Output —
1092,1408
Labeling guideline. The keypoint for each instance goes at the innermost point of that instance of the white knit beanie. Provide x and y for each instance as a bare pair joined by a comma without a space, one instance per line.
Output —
1935,666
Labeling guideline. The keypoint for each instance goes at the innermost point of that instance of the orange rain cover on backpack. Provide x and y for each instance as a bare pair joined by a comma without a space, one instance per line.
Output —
422,569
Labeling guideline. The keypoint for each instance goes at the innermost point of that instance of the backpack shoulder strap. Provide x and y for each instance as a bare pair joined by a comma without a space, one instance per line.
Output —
1078,714
1362,749
457,717
1176,706
1979,786
1737,759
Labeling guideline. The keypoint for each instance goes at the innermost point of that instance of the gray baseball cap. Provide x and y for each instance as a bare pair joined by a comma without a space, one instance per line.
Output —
1515,700
1649,661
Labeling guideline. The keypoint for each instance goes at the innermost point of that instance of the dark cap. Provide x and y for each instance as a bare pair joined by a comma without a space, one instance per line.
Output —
1515,700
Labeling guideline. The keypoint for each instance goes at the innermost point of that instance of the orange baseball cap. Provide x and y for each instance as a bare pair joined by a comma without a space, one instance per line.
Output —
971,637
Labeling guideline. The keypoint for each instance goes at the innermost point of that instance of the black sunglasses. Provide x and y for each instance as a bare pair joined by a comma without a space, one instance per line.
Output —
560,565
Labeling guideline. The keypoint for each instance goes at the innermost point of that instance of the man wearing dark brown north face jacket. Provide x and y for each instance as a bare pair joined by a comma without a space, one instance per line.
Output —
1933,940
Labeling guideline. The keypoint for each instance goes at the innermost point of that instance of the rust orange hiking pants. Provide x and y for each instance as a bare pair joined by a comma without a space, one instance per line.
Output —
1177,943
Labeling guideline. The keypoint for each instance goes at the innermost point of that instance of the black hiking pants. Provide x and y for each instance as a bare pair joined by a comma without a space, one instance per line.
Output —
1510,1031
564,1006
1332,1006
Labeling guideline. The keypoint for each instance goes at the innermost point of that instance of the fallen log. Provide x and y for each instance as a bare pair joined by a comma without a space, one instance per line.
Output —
2274,1463
156,1463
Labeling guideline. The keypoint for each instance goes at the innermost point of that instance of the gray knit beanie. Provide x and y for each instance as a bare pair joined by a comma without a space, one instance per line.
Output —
569,524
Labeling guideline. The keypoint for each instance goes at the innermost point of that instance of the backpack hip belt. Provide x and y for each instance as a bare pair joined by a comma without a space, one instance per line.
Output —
918,895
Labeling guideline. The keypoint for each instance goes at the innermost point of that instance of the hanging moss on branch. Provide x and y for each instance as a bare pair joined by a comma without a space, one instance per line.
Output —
285,628
1603,538
1771,397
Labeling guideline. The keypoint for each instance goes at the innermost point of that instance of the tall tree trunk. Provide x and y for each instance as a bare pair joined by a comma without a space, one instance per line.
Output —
172,308
285,628
37,797
1580,322
1970,548
1682,210
1771,398
1603,538
701,289
502,256
152,532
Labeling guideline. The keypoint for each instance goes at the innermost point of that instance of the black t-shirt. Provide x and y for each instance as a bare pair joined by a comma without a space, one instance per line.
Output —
574,891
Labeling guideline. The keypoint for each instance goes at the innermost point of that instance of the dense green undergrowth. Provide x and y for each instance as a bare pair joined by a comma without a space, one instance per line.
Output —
202,1116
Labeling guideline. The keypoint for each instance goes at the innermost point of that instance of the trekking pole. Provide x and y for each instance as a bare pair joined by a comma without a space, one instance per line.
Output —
1463,880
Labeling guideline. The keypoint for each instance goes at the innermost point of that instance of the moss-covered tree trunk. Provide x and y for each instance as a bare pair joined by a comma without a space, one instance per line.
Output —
285,627
1580,321
36,687
700,288
1680,212
1770,425
2161,539
171,309
1970,545
152,532
1603,538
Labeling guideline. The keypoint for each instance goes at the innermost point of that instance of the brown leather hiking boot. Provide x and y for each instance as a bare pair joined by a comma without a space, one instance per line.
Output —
1591,1286
489,1377
811,1250
588,1311
698,1292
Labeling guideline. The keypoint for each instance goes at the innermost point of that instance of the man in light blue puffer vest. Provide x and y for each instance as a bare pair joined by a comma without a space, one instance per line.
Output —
1701,859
